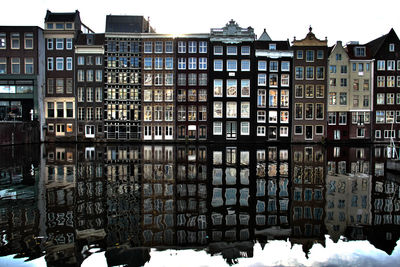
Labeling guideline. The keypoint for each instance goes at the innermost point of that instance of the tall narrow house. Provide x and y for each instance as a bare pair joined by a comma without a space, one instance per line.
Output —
158,87
123,77
230,94
89,57
61,30
386,102
309,101
272,108
192,84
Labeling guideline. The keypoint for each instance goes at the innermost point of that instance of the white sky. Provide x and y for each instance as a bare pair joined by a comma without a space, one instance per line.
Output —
345,20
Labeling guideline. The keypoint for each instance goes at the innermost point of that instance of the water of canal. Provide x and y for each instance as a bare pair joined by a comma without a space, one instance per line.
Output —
198,205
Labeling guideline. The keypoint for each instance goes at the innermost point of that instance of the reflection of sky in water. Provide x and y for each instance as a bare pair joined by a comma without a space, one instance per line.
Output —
275,253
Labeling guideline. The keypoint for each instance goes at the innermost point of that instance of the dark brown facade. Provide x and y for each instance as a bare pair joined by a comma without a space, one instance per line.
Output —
310,87
192,68
89,58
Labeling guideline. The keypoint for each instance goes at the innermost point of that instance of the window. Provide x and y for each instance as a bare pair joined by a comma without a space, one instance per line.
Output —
28,41
158,63
273,98
360,51
262,65
380,99
202,63
285,66
391,65
245,50
168,47
381,65
332,98
59,43
15,41
50,85
15,66
261,98
217,128
89,75
298,130
391,47
231,88
69,63
169,64
148,47
319,111
332,118
217,88
284,98
355,101
380,116
320,73
390,99
309,93
245,110
309,56
59,63
69,43
99,60
338,56
3,44
299,54
181,47
60,86
260,130
181,79
381,81
245,65
319,91
273,80
50,110
261,116
192,79
158,47
231,50
245,88
231,65
320,54
284,117
273,66
202,47
390,81
217,109
192,47
309,73
262,79
169,79
343,82
298,111
3,65
192,63
299,91
245,128
218,65
309,111
28,66
343,98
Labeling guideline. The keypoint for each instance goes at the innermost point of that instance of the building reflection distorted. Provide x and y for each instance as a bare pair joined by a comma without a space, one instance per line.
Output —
66,201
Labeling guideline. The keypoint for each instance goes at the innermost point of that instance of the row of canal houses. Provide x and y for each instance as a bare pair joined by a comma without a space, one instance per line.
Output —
131,83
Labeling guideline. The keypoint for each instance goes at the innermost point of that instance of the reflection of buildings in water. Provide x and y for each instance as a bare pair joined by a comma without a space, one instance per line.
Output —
385,201
218,198
272,193
60,182
308,195
229,203
123,173
158,195
191,195
348,189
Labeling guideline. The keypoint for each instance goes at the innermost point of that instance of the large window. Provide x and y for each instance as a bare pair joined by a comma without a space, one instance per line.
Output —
15,41
3,65
217,88
28,66
218,64
245,88
231,88
15,66
59,63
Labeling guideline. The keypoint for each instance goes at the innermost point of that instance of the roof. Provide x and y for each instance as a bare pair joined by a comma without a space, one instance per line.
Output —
61,17
375,45
264,36
98,39
350,48
128,24
310,40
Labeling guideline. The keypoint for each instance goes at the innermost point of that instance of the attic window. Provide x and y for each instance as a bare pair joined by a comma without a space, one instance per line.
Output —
391,47
272,46
68,25
89,40
59,26
50,25
360,51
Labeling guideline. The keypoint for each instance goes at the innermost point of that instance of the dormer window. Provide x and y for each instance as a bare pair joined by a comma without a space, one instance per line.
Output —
391,47
359,51
60,26
272,46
